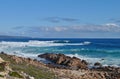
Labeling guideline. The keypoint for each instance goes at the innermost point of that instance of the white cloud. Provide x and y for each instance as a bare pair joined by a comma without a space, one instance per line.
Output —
86,30
59,29
111,24
109,27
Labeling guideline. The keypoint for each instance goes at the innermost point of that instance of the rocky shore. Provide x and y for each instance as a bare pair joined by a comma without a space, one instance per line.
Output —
75,68
65,61
61,67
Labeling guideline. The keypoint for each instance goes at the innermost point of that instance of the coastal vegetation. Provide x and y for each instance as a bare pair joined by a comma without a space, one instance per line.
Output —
22,65
61,67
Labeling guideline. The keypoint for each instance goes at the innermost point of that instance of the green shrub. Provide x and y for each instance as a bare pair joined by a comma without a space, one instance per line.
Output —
15,74
1,76
2,68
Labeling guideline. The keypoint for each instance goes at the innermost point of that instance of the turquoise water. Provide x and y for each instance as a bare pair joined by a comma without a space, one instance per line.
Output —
105,51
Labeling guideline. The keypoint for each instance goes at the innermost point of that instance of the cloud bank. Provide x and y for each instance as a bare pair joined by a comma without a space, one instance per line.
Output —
77,31
109,27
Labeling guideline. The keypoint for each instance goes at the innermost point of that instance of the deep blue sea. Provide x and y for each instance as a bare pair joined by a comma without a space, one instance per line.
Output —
105,51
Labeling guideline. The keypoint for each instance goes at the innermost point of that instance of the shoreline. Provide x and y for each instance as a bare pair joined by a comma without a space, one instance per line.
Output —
87,52
66,73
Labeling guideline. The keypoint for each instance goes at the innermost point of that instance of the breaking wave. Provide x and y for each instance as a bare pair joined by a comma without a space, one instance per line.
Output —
33,48
105,62
39,43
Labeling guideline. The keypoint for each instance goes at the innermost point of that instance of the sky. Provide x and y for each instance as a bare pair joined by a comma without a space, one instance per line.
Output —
60,18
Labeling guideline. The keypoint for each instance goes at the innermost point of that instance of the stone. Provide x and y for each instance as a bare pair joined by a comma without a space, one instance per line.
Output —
1,60
61,59
98,64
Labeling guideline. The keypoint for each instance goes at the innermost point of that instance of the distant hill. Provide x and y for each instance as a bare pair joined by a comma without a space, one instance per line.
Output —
13,37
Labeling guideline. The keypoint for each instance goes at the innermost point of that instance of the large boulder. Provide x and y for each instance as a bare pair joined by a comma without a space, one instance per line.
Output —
61,59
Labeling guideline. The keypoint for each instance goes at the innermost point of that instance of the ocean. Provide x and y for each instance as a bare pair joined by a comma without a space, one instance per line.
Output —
105,51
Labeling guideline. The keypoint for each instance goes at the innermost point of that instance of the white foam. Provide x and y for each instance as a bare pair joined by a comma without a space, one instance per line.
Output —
66,41
86,42
38,43
106,62
29,43
89,59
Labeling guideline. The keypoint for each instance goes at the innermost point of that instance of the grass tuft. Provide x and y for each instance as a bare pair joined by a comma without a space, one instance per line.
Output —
15,74
1,76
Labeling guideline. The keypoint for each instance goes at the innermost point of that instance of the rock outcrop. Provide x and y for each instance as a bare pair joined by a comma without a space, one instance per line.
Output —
61,59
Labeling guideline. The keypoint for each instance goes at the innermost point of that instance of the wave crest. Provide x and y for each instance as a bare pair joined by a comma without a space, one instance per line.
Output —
37,43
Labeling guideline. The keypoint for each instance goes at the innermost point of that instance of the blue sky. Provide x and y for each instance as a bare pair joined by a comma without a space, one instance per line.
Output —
60,18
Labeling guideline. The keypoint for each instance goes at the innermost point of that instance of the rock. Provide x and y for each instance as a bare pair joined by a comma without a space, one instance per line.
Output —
1,60
98,64
2,52
102,59
85,62
17,59
3,65
61,59
29,77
